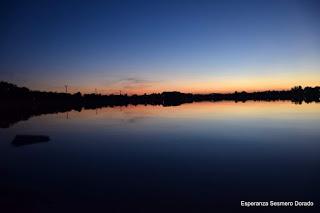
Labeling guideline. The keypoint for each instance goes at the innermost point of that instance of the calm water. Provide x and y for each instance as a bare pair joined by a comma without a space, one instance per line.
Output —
194,157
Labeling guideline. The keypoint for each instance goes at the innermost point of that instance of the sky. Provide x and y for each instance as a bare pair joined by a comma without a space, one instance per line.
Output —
160,45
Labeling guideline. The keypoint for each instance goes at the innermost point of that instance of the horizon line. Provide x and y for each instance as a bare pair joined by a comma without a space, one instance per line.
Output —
121,92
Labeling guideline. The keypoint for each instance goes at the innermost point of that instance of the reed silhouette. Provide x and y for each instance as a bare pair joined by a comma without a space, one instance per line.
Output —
20,103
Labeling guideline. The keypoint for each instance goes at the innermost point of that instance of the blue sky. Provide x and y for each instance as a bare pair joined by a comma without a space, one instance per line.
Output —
148,46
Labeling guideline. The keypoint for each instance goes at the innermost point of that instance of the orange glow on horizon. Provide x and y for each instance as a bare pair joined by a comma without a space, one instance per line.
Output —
185,89
200,86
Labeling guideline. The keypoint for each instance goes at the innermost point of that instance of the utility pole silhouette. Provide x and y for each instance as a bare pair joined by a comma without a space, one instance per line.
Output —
66,86
120,92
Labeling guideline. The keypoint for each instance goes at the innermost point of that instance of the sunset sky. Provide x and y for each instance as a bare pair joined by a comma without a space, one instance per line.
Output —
154,46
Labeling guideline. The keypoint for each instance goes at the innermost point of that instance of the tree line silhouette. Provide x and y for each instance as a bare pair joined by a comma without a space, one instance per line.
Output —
20,103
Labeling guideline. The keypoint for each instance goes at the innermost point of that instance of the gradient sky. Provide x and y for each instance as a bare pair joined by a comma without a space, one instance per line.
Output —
151,46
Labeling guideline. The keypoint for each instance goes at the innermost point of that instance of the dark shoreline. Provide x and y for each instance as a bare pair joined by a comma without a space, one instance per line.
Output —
21,103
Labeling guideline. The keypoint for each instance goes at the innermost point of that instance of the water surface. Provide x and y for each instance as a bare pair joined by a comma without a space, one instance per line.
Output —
195,157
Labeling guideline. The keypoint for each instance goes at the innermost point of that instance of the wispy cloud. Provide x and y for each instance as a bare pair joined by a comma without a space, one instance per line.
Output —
132,83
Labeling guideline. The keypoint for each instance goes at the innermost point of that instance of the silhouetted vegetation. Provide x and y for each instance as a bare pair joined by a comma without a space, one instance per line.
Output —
20,103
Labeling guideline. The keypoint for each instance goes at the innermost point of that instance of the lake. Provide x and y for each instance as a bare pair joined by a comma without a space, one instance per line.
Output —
196,157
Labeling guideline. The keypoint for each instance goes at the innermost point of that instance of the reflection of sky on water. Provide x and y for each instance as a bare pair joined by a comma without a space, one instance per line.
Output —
201,151
196,118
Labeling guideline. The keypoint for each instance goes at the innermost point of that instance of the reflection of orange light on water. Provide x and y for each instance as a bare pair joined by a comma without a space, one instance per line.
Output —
197,111
250,108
